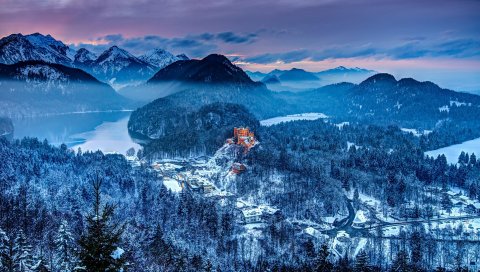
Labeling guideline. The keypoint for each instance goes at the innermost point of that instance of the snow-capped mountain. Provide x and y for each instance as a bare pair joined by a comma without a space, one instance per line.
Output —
344,74
84,56
161,58
116,65
17,47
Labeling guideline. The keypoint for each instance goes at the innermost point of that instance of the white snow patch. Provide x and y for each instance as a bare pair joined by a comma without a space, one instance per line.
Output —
360,217
117,253
172,184
444,109
342,124
416,132
458,104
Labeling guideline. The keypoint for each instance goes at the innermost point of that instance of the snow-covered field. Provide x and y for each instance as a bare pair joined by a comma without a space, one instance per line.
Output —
453,152
293,117
172,184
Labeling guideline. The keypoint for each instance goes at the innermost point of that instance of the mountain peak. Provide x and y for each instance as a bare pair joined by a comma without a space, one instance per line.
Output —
182,57
382,78
213,68
83,55
114,53
158,57
216,58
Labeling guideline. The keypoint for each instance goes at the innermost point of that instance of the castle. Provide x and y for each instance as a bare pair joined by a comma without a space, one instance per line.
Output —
243,136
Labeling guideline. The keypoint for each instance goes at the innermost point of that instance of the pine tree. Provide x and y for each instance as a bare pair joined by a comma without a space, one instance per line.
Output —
6,262
22,253
401,262
41,266
361,262
473,159
98,244
65,248
323,264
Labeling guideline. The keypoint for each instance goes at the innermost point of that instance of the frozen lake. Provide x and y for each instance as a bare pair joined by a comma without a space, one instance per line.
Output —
453,152
292,117
105,131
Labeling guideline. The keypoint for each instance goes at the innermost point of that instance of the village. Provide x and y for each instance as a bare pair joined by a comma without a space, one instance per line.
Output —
196,176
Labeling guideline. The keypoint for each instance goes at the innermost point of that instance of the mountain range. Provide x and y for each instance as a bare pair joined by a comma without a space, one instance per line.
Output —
301,80
380,99
42,76
115,65
214,71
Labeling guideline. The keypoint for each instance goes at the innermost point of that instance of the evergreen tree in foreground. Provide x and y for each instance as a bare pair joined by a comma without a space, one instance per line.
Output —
323,264
22,253
99,245
65,248
6,262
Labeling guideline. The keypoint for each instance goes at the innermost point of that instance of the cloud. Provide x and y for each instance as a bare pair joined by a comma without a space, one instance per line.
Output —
412,49
195,45
230,37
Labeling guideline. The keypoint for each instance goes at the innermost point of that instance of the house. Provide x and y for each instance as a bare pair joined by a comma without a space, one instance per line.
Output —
238,168
251,216
472,208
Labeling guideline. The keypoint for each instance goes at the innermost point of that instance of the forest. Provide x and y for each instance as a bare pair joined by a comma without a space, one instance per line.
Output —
50,204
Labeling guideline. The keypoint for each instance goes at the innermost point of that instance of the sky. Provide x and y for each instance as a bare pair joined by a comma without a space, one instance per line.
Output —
436,40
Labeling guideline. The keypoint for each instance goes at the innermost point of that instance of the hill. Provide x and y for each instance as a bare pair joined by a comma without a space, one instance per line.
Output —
181,131
39,88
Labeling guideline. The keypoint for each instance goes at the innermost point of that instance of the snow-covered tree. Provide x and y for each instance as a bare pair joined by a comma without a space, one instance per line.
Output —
99,245
5,252
65,249
22,253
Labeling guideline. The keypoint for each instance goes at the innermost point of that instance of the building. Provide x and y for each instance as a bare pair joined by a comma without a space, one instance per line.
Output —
238,168
243,136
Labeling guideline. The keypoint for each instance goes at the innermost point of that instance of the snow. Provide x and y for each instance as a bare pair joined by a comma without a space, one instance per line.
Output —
416,132
292,117
360,217
117,253
350,144
459,104
453,152
159,58
360,245
172,184
444,109
342,124
44,71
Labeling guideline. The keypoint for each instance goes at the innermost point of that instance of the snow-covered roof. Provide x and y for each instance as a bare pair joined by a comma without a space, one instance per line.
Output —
360,217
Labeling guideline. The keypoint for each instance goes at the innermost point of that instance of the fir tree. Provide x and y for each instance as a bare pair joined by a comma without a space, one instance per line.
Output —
400,263
22,253
361,262
41,266
323,264
65,249
102,237
6,262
